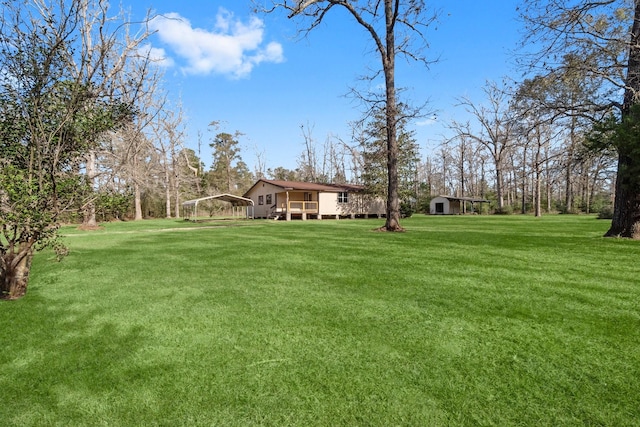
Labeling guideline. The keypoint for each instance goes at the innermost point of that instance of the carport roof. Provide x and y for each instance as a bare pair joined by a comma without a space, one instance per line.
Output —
234,200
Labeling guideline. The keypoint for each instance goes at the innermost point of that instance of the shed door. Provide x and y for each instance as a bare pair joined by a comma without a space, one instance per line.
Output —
439,208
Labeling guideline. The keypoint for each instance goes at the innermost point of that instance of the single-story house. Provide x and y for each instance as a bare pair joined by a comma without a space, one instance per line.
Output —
291,199
451,205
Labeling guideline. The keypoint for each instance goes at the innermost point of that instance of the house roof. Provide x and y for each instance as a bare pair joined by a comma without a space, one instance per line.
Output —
309,186
466,199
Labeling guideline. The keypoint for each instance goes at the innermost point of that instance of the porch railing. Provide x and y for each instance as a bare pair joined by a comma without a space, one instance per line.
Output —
298,206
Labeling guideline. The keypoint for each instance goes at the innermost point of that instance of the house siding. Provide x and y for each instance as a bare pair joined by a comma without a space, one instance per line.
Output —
328,204
357,204
263,189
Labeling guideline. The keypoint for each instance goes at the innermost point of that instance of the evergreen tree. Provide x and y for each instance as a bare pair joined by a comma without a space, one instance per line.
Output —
374,155
228,174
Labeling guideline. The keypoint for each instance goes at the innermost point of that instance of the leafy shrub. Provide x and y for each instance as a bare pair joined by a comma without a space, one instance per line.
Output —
423,205
606,212
112,205
506,210
406,210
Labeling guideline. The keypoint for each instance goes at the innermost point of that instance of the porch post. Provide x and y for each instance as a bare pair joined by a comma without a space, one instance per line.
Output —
287,207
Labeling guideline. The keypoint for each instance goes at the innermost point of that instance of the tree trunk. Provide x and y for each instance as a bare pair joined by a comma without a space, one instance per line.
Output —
593,184
499,188
538,209
393,201
482,179
176,193
167,190
537,186
626,208
523,207
89,220
547,169
137,201
569,184
568,194
14,274
444,173
586,201
177,204
176,181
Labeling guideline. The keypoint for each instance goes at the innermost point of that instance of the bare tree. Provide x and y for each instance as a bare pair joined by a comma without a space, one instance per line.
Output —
355,167
134,155
540,135
167,133
113,55
260,168
335,154
308,159
496,130
394,26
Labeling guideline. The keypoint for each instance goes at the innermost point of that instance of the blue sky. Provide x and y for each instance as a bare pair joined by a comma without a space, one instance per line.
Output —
255,76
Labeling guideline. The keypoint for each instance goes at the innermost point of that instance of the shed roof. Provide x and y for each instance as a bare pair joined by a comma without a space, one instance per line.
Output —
466,199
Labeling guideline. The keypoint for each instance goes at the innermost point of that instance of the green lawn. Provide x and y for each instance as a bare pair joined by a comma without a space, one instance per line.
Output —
468,320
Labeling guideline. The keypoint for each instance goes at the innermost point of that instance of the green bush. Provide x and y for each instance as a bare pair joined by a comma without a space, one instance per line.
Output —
406,210
606,212
423,205
111,205
506,210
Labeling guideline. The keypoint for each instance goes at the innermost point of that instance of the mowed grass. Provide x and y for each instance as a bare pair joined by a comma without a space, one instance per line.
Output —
472,320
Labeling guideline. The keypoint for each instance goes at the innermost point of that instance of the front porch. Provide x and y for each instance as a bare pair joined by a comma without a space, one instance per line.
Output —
298,209
295,209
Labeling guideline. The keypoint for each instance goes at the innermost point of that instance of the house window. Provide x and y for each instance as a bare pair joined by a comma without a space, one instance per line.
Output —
261,200
343,197
269,199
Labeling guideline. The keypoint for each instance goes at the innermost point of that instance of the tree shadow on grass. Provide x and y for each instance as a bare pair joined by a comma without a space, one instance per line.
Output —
62,365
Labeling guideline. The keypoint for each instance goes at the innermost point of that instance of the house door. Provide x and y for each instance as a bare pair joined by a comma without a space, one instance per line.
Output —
308,197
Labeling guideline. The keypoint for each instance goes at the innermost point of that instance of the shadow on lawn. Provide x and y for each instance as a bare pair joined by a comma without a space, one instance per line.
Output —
67,365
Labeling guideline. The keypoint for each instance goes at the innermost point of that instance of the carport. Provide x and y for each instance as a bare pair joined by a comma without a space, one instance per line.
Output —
241,207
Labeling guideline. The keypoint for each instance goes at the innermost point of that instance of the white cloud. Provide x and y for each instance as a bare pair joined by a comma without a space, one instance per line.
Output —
427,121
157,56
232,47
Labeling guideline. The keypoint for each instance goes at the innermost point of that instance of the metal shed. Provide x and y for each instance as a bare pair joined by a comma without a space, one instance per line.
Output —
452,205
